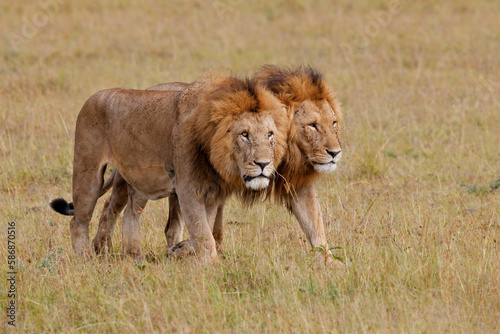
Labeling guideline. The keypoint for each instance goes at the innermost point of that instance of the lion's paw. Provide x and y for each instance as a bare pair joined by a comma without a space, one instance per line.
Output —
181,250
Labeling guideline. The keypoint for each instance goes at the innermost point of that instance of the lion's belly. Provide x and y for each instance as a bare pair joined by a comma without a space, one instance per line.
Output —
153,182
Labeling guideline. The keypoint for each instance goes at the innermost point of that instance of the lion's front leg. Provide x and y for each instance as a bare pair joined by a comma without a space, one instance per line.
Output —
196,214
131,226
174,227
305,206
217,230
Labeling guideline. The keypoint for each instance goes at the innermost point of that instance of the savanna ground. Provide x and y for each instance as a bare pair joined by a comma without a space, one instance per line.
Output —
412,205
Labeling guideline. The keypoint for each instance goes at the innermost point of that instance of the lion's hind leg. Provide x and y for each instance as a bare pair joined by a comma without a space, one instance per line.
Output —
87,184
111,210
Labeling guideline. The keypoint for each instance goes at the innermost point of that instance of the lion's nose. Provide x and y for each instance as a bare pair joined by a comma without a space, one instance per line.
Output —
333,153
262,164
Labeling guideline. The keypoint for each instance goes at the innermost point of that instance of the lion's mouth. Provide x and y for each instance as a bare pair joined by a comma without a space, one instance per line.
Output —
323,163
257,183
324,167
248,178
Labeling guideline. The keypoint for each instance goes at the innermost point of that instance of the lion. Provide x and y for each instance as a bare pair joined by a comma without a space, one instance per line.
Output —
221,135
313,144
313,148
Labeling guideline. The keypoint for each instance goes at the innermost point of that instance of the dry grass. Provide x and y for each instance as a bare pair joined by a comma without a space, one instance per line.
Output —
420,87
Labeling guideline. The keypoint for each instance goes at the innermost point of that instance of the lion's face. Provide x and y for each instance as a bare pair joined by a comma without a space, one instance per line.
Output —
248,130
318,135
254,145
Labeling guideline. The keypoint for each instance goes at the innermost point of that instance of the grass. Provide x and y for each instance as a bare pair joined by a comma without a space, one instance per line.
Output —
414,205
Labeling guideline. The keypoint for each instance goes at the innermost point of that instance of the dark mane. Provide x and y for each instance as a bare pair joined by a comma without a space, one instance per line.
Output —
294,85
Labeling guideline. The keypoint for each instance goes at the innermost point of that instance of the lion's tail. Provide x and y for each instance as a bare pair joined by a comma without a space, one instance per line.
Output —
60,205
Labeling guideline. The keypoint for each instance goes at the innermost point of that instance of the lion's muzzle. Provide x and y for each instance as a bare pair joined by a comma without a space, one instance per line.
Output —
329,163
256,182
260,179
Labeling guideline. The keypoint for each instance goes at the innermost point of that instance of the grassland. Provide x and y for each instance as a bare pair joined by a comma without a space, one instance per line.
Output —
412,204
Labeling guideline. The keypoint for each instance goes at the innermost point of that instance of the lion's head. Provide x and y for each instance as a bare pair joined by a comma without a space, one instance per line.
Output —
245,135
316,134
313,141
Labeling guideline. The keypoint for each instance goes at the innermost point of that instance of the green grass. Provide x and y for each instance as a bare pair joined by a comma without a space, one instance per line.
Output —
414,205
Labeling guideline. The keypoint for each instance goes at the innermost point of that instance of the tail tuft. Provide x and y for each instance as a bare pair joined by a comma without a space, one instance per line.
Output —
61,206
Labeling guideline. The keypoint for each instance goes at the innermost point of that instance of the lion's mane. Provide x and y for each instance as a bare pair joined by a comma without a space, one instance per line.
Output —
221,99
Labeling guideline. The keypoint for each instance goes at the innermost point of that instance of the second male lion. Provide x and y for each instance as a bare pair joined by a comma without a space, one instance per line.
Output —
221,135
314,146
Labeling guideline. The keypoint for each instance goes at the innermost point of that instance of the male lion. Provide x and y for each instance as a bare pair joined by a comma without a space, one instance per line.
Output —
220,135
313,148
314,145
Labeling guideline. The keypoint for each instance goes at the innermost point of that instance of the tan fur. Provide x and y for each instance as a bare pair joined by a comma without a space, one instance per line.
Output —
171,86
190,140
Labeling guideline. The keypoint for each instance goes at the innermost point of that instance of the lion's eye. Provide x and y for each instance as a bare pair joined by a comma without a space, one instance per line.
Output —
314,126
334,124
270,134
244,134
